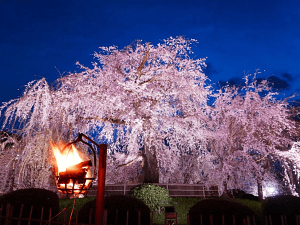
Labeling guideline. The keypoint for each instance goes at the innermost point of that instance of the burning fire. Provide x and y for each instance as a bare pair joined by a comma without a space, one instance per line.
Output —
71,170
67,158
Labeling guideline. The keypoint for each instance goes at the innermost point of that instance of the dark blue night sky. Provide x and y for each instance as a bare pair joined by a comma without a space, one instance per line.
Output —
40,38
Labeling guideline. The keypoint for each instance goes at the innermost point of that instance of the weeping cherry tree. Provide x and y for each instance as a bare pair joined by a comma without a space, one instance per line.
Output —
248,127
135,98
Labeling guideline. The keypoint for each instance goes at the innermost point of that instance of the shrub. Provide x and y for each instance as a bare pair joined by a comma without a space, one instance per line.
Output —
35,197
217,208
122,204
256,206
281,205
251,197
152,195
236,193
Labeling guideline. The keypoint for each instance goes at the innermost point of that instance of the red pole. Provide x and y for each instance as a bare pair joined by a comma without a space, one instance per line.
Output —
101,185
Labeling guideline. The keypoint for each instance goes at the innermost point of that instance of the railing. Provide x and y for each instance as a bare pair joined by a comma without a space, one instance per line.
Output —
175,190
251,220
8,217
247,220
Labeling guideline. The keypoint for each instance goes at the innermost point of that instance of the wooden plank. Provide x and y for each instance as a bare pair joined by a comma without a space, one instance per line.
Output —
105,217
248,220
90,216
30,214
7,214
188,219
116,217
20,215
42,213
266,220
284,216
270,219
201,219
253,217
50,214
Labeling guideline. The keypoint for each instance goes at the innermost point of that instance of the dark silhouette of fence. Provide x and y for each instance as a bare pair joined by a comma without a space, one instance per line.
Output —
7,217
251,220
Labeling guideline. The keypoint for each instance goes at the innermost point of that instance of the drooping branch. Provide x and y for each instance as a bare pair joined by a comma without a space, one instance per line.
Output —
129,163
106,119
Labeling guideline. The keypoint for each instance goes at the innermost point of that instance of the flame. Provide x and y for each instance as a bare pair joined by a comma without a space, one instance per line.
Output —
69,157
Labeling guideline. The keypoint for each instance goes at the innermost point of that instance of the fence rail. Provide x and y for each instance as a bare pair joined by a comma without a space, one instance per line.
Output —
175,190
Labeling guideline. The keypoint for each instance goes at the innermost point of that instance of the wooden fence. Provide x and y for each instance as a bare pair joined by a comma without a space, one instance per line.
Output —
6,217
175,190
251,220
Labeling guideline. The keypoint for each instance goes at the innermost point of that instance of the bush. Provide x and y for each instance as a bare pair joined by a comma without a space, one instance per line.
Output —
251,197
256,206
236,193
35,197
152,195
217,208
280,205
122,204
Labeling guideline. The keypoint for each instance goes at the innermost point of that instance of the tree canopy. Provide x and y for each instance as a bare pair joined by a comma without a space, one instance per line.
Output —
248,127
150,103
142,94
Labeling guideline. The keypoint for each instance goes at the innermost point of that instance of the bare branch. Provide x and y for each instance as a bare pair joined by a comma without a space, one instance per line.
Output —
139,69
127,164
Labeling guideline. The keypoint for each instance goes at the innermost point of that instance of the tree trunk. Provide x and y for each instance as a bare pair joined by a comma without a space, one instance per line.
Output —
12,185
293,182
225,192
260,190
150,166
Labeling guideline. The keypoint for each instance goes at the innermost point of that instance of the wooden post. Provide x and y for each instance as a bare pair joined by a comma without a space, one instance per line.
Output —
187,219
140,217
151,218
101,185
8,214
42,214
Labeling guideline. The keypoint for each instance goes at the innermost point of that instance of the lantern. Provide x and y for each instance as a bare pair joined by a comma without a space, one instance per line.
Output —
76,179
